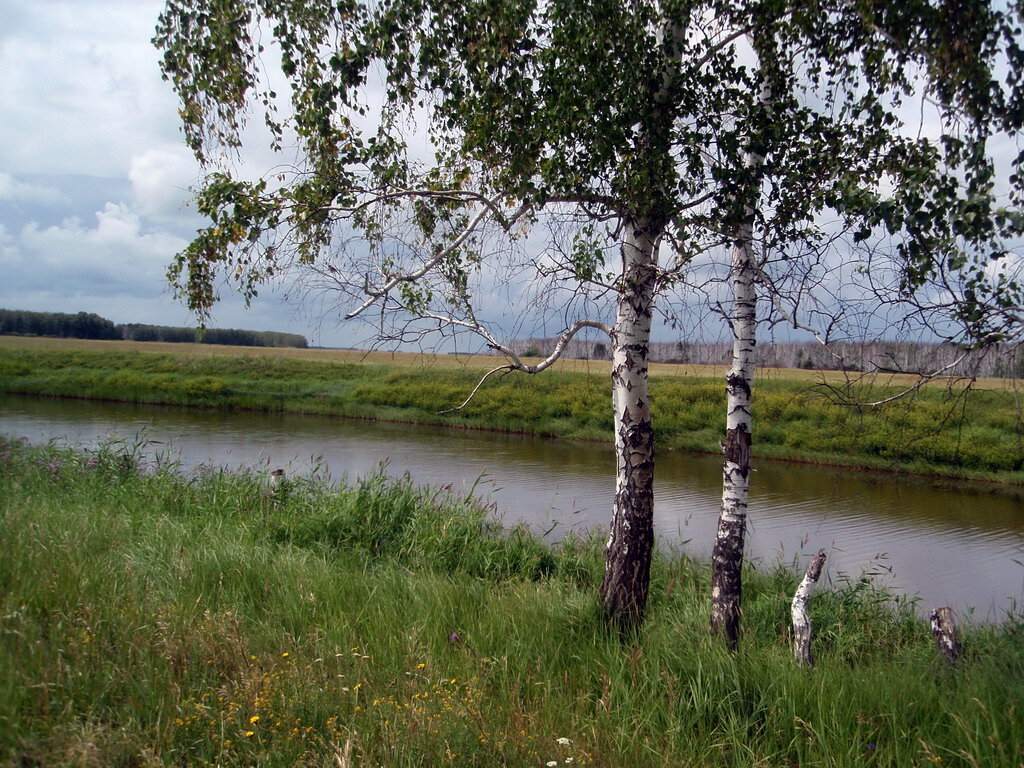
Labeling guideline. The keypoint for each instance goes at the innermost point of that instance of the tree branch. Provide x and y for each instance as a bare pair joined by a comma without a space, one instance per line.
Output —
374,294
477,388
923,378
515,362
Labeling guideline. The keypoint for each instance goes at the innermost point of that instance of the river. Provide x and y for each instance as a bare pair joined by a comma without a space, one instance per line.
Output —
944,543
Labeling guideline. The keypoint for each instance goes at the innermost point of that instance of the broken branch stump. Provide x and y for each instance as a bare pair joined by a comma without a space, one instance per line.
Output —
801,618
947,640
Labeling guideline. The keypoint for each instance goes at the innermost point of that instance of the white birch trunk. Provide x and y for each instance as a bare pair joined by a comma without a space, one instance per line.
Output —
727,558
631,539
802,626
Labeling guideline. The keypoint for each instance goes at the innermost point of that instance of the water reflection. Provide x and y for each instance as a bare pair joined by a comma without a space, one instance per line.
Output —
947,543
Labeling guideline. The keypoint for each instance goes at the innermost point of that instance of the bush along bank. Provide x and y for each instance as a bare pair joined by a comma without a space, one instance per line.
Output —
152,617
975,434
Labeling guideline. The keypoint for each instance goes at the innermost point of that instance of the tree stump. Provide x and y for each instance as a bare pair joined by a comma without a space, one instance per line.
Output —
801,618
947,640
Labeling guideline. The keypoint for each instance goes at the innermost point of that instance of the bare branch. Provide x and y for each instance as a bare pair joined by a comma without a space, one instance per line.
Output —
477,388
556,353
433,194
923,378
790,318
374,294
515,362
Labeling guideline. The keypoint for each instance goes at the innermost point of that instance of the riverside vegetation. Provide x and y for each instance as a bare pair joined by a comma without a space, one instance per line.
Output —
150,617
800,415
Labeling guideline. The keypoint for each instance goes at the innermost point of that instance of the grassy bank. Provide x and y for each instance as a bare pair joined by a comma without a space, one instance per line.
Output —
154,619
978,433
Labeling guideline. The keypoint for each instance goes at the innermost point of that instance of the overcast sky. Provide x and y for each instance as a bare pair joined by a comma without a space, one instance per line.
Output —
94,174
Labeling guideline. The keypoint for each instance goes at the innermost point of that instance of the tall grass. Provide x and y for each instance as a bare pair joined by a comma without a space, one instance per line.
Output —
968,434
151,618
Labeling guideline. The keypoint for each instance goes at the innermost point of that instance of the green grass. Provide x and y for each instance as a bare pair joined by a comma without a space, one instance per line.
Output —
149,618
977,433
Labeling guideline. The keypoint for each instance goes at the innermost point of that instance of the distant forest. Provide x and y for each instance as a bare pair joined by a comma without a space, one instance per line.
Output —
870,356
86,325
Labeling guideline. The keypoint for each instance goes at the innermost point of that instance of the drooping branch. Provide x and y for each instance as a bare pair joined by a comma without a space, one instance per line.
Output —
775,296
477,388
563,339
452,195
923,378
516,363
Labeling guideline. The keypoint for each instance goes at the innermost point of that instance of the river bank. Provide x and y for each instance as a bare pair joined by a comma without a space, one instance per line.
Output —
945,431
153,618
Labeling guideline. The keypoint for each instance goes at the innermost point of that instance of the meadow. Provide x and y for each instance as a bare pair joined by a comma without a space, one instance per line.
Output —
945,428
150,618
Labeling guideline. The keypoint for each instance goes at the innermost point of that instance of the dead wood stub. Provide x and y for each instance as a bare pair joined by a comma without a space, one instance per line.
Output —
802,627
947,638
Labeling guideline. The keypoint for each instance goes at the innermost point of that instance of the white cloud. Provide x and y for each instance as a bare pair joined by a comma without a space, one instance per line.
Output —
115,266
1008,267
161,179
12,190
116,256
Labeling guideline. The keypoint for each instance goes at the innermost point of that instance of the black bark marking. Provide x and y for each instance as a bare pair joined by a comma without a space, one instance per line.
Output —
737,448
734,381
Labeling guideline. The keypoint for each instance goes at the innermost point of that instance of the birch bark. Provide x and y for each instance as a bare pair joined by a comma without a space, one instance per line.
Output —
802,625
727,557
944,630
628,552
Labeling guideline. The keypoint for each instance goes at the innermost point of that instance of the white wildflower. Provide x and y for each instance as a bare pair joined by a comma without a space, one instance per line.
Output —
563,741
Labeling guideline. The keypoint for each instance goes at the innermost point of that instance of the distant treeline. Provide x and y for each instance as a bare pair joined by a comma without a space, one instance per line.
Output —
87,325
886,356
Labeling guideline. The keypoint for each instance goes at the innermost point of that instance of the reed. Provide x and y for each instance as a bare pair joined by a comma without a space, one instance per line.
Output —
151,617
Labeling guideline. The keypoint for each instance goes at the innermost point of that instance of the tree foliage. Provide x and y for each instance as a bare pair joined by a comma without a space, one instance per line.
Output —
82,325
623,111
86,325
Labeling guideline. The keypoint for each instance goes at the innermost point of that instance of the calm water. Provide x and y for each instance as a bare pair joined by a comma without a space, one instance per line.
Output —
946,543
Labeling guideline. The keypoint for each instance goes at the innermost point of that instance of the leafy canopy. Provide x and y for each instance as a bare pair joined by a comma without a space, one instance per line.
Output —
443,115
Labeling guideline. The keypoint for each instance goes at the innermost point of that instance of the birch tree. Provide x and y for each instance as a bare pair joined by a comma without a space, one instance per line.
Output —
633,124
942,210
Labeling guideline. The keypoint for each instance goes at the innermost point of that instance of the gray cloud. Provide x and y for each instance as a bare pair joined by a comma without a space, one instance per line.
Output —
94,176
